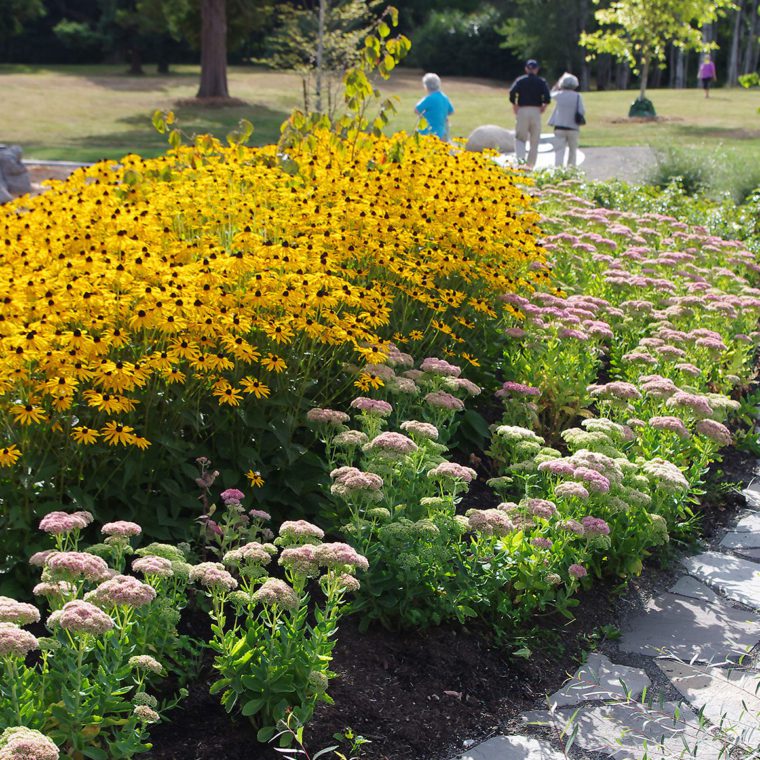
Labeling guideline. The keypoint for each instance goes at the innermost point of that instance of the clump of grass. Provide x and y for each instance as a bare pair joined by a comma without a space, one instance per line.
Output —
692,171
718,174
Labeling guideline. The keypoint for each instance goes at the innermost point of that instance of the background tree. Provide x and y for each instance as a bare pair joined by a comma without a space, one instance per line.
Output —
549,30
14,14
639,31
320,39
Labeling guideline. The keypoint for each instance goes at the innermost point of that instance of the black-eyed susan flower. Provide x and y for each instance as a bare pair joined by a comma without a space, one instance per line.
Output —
255,387
85,435
9,455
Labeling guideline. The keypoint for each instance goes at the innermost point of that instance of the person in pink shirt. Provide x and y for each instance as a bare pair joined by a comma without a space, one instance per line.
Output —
707,74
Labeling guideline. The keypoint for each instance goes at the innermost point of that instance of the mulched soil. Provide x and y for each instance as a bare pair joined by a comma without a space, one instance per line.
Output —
415,695
421,695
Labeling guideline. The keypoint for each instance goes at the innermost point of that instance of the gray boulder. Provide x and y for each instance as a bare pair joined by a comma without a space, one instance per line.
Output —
14,178
489,136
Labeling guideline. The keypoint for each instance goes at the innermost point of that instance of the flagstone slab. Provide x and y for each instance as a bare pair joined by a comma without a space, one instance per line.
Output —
513,748
688,586
632,731
729,698
741,540
685,628
753,554
749,523
600,679
734,577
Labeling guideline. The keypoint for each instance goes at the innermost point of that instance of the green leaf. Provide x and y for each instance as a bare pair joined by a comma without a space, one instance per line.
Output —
252,706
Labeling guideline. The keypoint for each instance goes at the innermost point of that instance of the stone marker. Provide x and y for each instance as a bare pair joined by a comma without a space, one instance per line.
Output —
600,679
14,178
738,579
512,748
688,586
728,698
677,626
491,137
633,731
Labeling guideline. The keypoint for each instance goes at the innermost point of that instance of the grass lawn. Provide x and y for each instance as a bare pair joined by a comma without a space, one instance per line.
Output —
84,113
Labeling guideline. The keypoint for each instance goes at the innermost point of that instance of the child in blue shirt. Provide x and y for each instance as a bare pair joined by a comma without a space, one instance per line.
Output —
435,108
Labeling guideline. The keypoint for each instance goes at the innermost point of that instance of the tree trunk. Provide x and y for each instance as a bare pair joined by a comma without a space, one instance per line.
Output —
603,72
680,71
135,61
320,54
749,47
732,75
213,50
162,64
644,77
622,75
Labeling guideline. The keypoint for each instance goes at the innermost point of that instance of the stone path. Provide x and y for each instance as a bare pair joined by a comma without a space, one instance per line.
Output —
694,641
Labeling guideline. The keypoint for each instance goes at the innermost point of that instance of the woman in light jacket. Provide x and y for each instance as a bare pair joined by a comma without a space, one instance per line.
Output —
567,102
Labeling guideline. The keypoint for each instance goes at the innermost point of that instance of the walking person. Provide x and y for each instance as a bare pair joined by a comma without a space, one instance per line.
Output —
529,96
568,112
707,74
435,108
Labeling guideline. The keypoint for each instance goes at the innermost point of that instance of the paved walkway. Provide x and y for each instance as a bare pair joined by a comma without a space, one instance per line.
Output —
695,643
630,164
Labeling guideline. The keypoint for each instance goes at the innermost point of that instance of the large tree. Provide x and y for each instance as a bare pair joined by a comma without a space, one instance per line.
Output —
639,31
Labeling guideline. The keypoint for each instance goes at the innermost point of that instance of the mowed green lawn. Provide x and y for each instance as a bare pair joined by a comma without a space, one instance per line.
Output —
91,112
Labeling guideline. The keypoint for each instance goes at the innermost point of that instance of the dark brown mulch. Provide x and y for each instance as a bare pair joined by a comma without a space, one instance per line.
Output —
415,695
419,695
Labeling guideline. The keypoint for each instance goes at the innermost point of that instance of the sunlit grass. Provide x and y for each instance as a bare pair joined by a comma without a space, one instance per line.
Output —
91,112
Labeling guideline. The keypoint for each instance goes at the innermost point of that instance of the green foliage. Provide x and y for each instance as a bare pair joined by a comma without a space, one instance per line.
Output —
14,14
546,30
459,43
641,31
363,110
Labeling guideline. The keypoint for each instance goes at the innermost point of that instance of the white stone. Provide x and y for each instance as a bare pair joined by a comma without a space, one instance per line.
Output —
688,586
600,679
491,137
512,748
752,495
632,731
738,579
684,628
728,698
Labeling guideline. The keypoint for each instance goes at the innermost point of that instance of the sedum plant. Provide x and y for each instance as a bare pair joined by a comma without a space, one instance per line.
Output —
87,688
273,638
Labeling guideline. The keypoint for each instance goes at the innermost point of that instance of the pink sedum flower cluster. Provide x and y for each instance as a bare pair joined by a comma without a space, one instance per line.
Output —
21,743
77,565
15,641
20,613
62,523
79,616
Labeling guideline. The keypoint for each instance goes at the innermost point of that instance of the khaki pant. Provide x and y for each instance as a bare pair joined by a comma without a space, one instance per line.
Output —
528,127
566,138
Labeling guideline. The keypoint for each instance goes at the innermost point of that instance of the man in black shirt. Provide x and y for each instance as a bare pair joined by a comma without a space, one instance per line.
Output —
529,96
